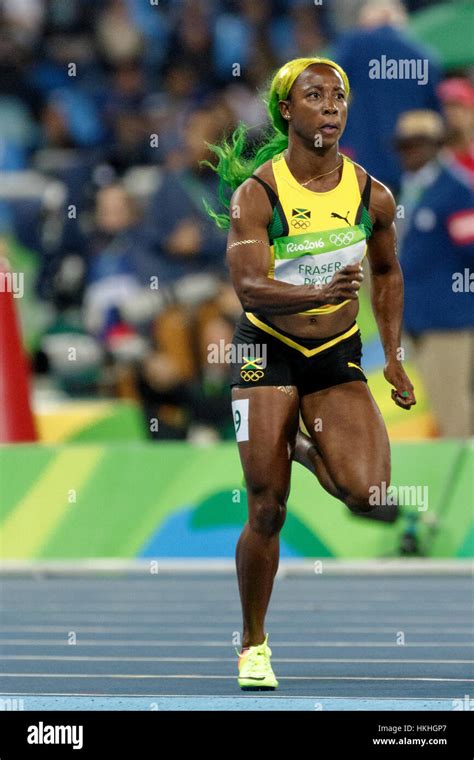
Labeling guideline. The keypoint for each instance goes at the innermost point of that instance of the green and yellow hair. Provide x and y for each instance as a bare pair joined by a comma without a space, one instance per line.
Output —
236,161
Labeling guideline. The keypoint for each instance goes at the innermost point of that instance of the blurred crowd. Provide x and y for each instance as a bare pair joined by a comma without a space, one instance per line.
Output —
105,111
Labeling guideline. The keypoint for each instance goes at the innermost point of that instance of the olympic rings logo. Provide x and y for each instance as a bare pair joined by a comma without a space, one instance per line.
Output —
343,238
300,224
251,375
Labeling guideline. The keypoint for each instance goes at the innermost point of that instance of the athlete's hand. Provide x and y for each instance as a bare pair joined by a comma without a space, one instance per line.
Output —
344,285
403,394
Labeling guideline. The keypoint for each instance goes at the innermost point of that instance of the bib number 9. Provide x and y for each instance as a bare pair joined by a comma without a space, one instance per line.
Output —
240,410
237,420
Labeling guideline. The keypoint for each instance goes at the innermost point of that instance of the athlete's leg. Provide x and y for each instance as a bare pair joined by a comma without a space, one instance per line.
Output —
266,460
351,442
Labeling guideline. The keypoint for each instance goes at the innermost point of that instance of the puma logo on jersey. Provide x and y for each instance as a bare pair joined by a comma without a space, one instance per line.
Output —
338,216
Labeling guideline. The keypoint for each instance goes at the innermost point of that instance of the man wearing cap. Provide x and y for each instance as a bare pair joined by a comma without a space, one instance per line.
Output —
436,238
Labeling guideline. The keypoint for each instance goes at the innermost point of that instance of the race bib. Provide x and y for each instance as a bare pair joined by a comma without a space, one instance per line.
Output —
240,411
314,258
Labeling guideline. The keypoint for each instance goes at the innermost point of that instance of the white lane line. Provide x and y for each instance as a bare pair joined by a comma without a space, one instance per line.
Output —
86,658
212,629
177,643
155,609
194,580
193,676
185,609
319,618
197,578
351,602
205,696
187,594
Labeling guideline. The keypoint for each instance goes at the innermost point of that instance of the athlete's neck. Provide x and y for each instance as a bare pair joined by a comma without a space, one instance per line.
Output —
305,162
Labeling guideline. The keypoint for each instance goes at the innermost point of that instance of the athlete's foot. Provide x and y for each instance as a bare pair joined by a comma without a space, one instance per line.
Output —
387,513
255,670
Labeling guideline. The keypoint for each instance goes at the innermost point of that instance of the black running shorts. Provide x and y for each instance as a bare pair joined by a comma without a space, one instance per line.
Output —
279,358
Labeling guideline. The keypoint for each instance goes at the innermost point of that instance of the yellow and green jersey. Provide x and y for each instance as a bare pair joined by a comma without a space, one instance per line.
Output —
313,235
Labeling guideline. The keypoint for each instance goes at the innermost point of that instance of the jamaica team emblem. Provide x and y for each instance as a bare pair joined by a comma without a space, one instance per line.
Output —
251,371
300,218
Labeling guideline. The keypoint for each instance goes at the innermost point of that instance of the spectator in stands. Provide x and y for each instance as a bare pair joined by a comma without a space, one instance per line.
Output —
125,117
190,263
167,110
112,276
457,98
437,247
191,42
182,236
378,99
118,38
69,151
303,31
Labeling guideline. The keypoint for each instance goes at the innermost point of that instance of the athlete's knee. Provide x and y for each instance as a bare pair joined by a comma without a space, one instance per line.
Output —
362,496
267,511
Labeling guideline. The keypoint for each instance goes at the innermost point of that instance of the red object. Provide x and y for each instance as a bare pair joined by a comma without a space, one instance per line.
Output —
16,418
456,90
465,158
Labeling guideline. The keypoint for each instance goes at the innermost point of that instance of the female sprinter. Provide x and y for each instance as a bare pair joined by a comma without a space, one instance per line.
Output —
302,217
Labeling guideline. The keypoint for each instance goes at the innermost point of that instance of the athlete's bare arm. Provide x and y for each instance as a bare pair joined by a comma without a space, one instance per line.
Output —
387,290
250,214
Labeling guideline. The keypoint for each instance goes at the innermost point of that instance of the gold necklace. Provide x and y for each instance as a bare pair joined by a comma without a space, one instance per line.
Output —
303,184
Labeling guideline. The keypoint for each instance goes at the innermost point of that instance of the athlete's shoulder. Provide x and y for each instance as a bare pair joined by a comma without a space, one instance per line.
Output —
259,186
265,174
382,205
361,173
256,197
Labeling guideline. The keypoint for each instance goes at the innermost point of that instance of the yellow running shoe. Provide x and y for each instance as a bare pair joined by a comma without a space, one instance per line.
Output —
255,671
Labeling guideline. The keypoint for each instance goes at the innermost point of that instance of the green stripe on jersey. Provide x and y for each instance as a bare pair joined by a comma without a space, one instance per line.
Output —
313,243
